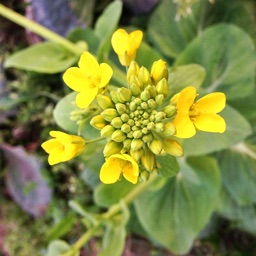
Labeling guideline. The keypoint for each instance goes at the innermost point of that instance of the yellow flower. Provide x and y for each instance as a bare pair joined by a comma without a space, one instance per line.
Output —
159,71
200,115
116,165
63,147
88,79
126,45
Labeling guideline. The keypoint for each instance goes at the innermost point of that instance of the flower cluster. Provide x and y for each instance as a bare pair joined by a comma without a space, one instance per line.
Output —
135,121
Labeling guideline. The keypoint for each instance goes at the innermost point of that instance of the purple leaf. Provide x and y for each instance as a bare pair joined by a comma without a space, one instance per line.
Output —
24,180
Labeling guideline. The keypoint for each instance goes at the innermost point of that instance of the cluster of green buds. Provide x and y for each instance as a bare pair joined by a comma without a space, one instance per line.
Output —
134,120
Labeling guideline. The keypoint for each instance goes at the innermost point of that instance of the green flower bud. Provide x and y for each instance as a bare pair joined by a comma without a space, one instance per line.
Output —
159,99
144,176
113,95
137,101
109,114
133,106
131,122
144,105
150,126
130,135
144,77
152,90
133,70
126,128
118,136
117,122
145,95
135,81
159,127
159,71
136,144
152,104
162,87
107,131
147,138
144,130
125,117
172,147
136,154
124,94
156,146
159,116
137,134
148,159
169,130
112,148
121,108
127,143
145,116
135,89
104,101
170,111
98,122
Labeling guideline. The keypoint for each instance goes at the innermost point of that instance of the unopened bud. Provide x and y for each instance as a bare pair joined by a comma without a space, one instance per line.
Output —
151,104
126,128
152,90
107,131
150,126
147,138
159,71
104,101
125,117
159,116
113,95
137,101
135,89
109,114
144,176
145,95
124,94
172,147
162,87
156,146
169,130
127,143
112,148
117,122
159,99
144,105
137,134
169,110
148,159
133,106
98,122
159,127
144,77
136,144
118,136
121,108
136,154
133,70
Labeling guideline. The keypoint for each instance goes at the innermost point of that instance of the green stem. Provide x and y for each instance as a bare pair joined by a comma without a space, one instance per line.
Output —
38,29
95,140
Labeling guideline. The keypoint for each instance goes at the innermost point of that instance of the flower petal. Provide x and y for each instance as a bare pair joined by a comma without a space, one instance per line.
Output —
119,41
210,123
135,39
89,65
131,169
184,126
106,74
62,137
50,145
110,171
55,156
212,103
186,99
84,99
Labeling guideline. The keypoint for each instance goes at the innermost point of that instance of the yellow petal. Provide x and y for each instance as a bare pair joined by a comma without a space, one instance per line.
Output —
70,152
84,99
135,38
106,74
55,157
62,137
186,99
110,171
76,79
50,145
184,126
210,123
131,169
119,41
89,65
212,103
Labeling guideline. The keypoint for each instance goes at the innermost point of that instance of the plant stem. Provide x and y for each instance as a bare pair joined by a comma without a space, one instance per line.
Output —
38,29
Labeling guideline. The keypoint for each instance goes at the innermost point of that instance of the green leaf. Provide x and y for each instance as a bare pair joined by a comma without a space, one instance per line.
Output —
168,166
175,214
62,227
106,195
106,25
46,57
58,247
239,174
237,130
219,50
62,116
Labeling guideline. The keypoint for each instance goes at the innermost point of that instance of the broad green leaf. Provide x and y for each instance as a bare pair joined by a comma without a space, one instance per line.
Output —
237,130
106,25
58,247
62,116
175,214
219,50
168,166
238,171
46,57
106,195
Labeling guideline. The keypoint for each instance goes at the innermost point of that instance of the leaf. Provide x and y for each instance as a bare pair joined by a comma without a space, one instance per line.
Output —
62,115
237,130
175,214
58,247
106,25
24,180
46,57
168,166
107,195
219,50
239,174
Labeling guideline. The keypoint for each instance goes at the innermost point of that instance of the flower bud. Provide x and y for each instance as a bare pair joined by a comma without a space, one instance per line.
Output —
121,108
109,114
126,128
169,130
172,147
137,101
135,89
133,70
148,159
147,138
132,106
144,77
112,148
118,136
113,95
162,87
125,117
145,95
136,154
98,122
159,116
152,90
144,176
117,122
159,71
104,101
150,126
136,144
144,105
124,94
137,134
156,146
135,81
159,127
159,99
144,130
151,104
107,131
127,143
169,110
